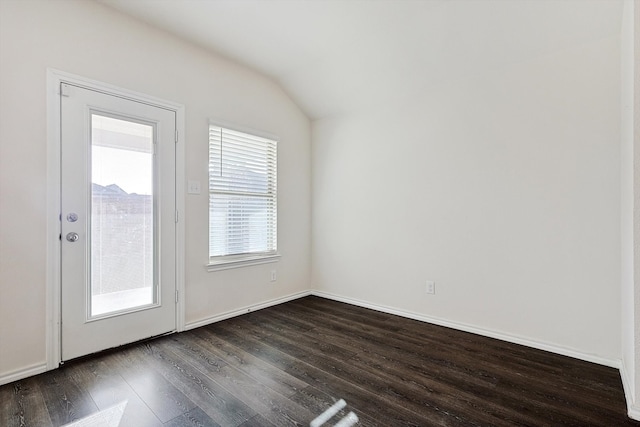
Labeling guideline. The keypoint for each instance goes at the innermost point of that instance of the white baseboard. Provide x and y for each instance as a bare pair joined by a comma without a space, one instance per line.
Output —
244,310
613,363
633,411
22,373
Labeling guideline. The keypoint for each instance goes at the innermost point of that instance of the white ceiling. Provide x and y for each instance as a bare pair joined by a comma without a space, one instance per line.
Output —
334,57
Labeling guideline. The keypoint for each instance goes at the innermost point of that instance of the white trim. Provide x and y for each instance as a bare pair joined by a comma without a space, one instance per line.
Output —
236,262
22,373
613,363
245,310
181,208
53,310
95,85
633,411
53,229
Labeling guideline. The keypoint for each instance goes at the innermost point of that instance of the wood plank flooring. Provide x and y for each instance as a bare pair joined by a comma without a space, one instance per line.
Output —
284,365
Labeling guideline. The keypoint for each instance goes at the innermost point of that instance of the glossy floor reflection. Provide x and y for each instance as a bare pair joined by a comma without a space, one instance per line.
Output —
109,417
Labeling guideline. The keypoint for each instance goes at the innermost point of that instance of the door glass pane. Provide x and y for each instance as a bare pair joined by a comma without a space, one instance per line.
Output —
122,215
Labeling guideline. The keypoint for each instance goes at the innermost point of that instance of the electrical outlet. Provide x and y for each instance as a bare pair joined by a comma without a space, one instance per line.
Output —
274,275
431,287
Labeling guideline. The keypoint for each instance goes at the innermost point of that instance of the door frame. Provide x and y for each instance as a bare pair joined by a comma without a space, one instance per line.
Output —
53,225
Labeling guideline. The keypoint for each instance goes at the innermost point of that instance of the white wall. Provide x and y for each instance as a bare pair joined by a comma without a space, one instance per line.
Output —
93,41
502,186
628,293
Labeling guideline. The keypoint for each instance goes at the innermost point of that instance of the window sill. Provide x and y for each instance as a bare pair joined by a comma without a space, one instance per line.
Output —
243,261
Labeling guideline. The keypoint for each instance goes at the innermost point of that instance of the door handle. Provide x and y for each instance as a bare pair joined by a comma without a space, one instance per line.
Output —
72,237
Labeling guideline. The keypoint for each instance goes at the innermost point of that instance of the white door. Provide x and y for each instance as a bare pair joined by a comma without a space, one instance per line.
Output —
118,269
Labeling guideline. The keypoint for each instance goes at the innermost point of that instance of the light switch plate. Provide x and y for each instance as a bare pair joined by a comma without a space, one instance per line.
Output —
193,187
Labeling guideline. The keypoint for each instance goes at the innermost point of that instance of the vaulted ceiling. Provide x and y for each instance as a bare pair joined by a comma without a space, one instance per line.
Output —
334,57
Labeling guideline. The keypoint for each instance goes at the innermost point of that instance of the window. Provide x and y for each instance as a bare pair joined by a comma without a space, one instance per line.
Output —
242,198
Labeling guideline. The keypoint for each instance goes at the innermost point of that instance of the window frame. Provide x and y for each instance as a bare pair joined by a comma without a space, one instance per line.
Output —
224,262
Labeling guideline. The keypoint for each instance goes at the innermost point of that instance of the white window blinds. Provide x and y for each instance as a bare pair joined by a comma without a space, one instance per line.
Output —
242,194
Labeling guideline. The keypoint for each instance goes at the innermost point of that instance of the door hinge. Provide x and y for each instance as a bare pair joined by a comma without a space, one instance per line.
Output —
176,216
176,136
64,90
176,296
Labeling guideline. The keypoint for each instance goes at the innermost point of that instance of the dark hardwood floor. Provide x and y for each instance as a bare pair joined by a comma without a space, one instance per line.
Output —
284,365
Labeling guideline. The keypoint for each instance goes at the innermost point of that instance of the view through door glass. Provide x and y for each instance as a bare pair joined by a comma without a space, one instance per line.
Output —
123,216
